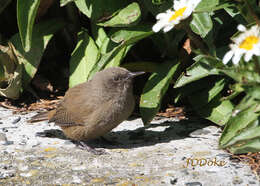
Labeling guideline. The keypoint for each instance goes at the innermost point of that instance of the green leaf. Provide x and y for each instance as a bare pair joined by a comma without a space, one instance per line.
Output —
4,4
203,97
239,121
26,13
241,75
155,89
14,85
216,111
82,60
115,62
42,34
245,147
231,9
99,34
131,35
65,2
97,10
10,82
111,49
245,103
205,66
85,7
191,88
2,73
201,23
126,17
245,137
8,61
105,59
206,5
155,8
253,90
207,101
210,7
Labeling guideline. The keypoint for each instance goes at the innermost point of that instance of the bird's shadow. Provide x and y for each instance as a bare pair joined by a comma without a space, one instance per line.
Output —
142,136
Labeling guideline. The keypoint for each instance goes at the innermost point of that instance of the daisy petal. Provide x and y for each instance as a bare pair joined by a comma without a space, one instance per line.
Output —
248,56
241,28
236,58
257,51
168,28
182,9
245,44
195,3
177,5
228,56
160,16
157,27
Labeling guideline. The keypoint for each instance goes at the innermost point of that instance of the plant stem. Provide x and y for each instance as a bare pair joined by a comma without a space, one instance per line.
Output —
252,13
257,64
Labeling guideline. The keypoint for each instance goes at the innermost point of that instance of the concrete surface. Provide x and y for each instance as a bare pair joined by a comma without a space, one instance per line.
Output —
167,152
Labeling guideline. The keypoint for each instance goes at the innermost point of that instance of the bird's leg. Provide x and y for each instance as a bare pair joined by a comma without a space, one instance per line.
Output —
84,146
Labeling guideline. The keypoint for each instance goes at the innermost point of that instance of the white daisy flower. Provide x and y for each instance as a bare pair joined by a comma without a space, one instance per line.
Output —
182,10
247,43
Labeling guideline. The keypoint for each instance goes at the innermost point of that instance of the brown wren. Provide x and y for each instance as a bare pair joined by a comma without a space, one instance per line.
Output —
92,109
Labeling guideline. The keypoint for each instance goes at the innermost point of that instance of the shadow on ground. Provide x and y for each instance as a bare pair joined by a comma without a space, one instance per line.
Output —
143,136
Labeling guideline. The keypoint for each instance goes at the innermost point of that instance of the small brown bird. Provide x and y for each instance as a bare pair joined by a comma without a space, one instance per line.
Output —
92,109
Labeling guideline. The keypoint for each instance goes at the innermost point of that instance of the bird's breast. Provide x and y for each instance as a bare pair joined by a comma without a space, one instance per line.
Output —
124,106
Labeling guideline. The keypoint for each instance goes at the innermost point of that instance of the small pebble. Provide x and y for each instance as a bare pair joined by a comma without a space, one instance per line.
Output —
185,171
78,168
76,180
26,174
23,142
6,175
1,122
3,137
237,180
193,184
4,130
16,120
23,168
173,181
9,143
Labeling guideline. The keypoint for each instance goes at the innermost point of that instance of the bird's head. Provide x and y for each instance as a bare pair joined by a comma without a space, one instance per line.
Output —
116,79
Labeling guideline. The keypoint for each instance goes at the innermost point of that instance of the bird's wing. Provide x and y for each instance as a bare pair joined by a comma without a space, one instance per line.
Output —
76,109
63,117
87,114
69,111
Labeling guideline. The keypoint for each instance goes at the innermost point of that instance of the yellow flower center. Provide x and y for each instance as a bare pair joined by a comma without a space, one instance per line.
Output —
249,42
177,13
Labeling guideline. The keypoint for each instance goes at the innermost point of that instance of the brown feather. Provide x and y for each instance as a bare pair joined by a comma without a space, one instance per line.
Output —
42,116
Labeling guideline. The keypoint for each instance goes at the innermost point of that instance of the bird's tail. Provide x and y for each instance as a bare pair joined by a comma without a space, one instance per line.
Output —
41,116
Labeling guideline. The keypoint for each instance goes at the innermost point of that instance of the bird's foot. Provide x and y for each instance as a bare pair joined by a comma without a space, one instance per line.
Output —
52,133
84,146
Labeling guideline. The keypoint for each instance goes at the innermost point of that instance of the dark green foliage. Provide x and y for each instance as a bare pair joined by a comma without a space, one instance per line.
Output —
95,34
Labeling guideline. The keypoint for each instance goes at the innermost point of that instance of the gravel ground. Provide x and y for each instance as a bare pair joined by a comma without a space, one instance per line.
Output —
167,152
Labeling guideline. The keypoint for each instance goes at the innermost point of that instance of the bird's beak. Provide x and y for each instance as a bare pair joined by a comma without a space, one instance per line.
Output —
134,74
